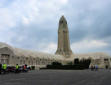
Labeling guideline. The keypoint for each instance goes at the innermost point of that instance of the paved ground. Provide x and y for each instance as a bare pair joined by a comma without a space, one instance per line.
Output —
58,77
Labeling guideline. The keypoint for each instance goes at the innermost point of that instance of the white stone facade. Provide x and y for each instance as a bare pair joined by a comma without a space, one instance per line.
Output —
99,58
13,56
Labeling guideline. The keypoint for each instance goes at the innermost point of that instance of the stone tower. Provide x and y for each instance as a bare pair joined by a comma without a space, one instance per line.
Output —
63,39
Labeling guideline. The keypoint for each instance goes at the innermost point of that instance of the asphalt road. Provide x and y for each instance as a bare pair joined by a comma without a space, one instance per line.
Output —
58,77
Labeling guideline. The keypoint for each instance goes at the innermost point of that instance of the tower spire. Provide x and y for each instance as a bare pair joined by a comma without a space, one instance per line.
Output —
63,39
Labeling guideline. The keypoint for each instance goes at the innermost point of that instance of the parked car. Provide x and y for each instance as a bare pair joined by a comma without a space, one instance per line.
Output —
11,68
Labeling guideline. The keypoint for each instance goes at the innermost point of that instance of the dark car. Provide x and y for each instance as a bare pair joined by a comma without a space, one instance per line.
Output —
11,69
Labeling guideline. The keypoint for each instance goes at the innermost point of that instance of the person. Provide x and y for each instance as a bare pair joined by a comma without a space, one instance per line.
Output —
17,68
25,68
92,67
96,67
0,68
28,68
4,67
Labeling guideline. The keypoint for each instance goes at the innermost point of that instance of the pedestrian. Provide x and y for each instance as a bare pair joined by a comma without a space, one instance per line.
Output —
17,68
25,68
0,68
92,67
4,67
96,67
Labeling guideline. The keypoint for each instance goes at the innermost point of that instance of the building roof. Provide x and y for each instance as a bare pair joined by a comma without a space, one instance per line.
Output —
29,53
2,45
96,55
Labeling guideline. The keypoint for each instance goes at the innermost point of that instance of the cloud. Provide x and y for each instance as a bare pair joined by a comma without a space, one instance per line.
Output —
6,19
88,45
64,1
49,48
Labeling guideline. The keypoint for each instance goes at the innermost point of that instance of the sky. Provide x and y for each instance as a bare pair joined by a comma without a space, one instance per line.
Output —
33,24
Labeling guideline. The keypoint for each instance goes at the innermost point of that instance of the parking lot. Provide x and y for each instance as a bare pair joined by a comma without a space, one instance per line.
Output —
58,77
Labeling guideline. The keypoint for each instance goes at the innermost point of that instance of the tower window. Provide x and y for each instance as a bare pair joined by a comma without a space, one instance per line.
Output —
61,22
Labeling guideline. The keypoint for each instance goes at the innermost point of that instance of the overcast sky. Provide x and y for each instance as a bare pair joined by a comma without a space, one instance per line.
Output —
33,24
